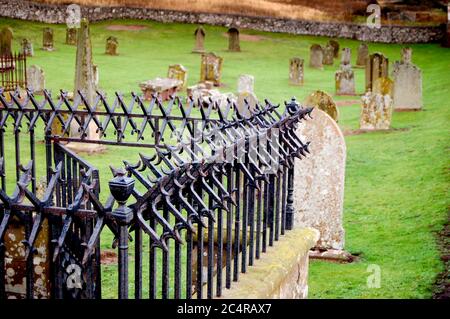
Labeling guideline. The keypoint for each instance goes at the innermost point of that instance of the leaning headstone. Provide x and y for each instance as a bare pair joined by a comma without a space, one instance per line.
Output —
316,57
85,82
328,55
47,39
246,83
35,79
363,54
407,79
319,181
296,73
377,66
376,112
27,47
199,40
335,46
233,40
71,36
6,37
345,77
112,45
178,72
211,68
323,101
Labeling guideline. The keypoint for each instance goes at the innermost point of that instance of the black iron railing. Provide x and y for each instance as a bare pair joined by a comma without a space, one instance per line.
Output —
213,193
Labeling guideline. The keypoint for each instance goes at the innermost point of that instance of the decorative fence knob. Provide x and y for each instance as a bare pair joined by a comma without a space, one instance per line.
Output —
121,188
293,106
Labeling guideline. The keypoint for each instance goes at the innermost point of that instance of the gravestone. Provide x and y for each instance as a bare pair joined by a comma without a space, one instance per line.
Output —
323,101
376,112
377,66
296,73
27,47
47,39
328,55
316,57
407,92
319,181
211,68
335,46
246,83
233,40
112,45
345,77
163,87
203,91
85,81
363,54
199,40
6,37
71,36
35,79
178,72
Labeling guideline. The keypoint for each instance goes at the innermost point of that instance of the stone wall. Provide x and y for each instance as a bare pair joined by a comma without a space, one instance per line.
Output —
28,10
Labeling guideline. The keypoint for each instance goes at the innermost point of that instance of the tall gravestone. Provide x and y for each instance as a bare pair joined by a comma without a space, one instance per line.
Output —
335,46
316,57
246,100
376,112
211,68
377,66
6,37
296,71
47,39
85,82
233,40
71,36
345,77
407,92
178,72
27,47
363,54
323,101
328,55
319,181
35,79
200,35
112,46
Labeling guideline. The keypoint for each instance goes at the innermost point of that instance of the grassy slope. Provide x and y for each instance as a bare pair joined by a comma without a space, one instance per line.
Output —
396,183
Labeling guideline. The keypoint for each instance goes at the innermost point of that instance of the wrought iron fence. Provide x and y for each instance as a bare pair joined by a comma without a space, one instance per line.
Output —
13,71
214,193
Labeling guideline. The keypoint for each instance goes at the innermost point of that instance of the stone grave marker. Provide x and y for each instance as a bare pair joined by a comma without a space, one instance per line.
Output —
178,72
47,39
376,112
6,37
71,36
407,92
319,181
316,57
328,55
323,101
296,71
335,46
345,77
363,54
377,66
246,93
211,68
233,40
112,45
246,83
199,40
35,79
27,47
163,87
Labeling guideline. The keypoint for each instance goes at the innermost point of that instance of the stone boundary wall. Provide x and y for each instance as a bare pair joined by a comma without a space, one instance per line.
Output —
28,10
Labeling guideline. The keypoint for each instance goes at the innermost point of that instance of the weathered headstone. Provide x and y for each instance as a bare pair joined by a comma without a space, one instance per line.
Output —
211,68
6,37
199,40
35,79
163,87
203,91
71,36
233,40
296,71
27,47
246,83
363,54
316,56
323,101
246,103
47,39
345,77
376,112
377,66
328,55
407,92
112,45
319,181
178,72
335,46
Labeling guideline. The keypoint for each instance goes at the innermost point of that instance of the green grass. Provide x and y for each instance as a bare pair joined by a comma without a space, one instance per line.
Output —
396,182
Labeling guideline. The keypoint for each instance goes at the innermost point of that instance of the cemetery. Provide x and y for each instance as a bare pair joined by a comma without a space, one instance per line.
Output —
142,159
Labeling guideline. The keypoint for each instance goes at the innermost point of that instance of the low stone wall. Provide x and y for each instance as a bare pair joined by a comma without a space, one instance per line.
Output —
281,272
28,10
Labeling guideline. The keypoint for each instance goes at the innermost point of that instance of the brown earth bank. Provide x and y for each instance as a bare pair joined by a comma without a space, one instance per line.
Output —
442,285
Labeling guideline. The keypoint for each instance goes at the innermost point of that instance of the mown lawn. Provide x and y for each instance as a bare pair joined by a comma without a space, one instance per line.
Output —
396,195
